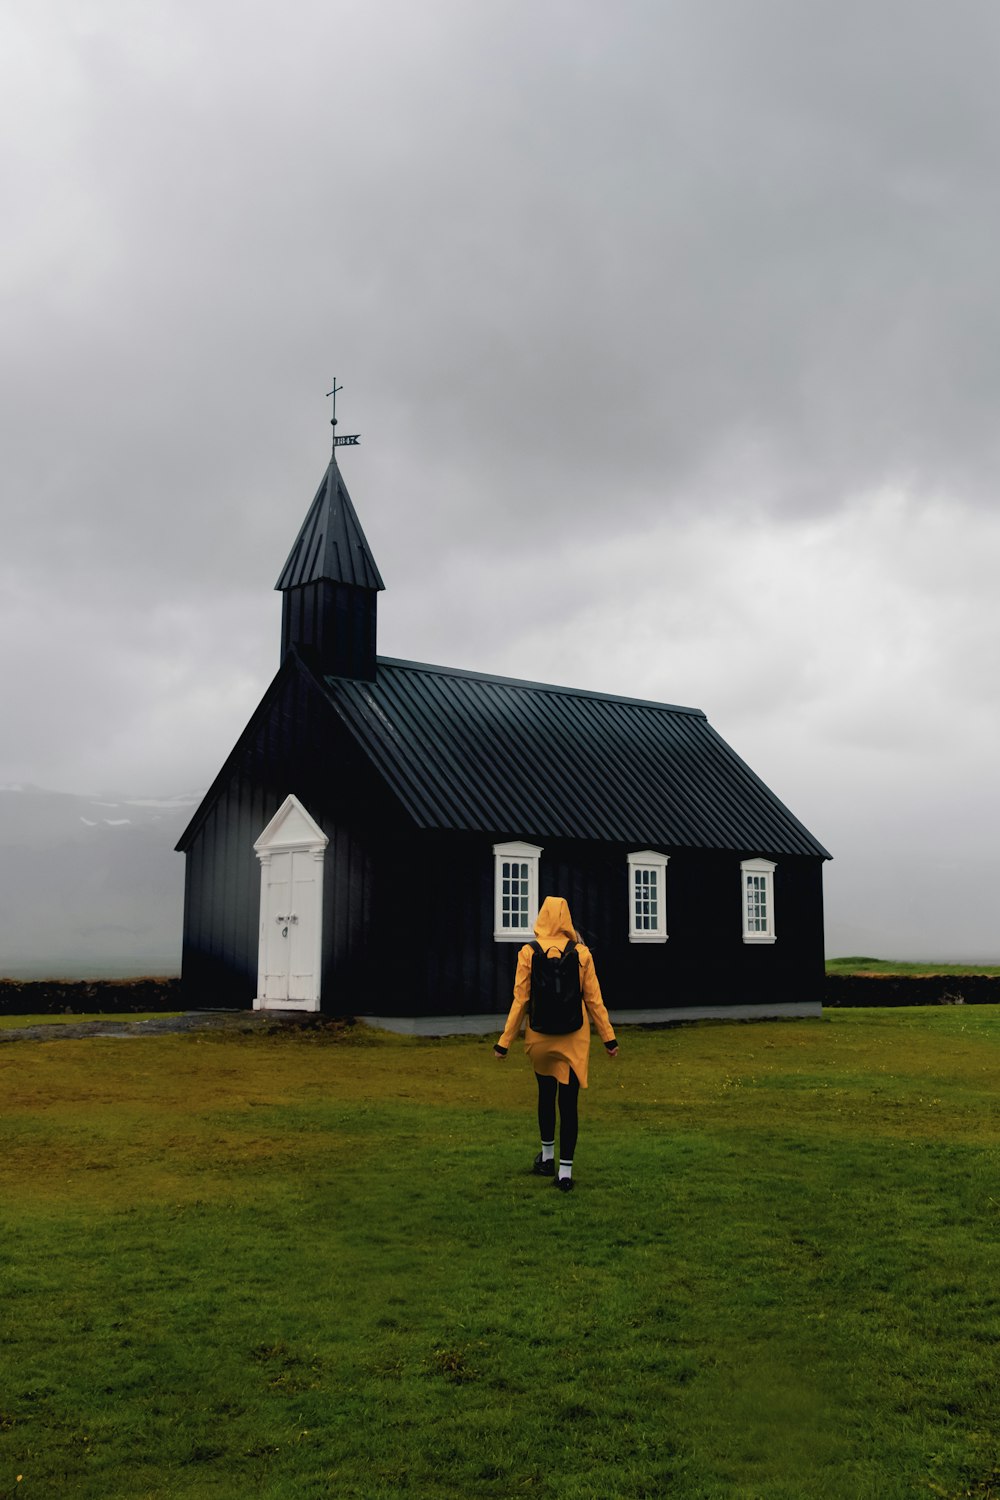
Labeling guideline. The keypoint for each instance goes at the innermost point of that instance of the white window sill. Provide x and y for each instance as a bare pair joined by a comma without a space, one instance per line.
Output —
524,936
648,937
758,937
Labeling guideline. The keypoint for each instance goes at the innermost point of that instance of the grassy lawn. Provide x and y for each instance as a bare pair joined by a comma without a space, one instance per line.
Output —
304,1266
897,966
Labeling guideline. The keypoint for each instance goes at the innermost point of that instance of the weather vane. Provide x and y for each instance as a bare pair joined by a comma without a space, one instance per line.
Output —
340,442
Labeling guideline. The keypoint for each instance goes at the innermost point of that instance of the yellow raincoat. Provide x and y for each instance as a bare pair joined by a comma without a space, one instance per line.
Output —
555,1055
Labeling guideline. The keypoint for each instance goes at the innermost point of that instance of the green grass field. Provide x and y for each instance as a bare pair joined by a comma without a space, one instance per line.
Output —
307,1265
897,966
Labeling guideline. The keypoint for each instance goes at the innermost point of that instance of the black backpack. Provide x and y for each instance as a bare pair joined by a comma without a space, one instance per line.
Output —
556,1005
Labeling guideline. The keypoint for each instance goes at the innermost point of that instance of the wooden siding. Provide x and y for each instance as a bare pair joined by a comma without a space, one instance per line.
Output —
408,914
295,745
444,925
335,624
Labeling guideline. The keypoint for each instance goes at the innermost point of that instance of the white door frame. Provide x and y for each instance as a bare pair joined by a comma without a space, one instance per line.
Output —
292,831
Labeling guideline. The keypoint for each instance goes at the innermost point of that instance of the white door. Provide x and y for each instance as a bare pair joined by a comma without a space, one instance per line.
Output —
290,951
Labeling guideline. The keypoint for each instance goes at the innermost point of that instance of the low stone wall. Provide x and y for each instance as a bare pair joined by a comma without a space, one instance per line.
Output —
50,997
54,997
911,989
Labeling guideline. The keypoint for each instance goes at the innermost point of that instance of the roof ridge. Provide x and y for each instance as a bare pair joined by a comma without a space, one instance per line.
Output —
546,687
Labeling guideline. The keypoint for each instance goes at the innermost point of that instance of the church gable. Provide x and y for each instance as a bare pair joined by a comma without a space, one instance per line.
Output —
291,828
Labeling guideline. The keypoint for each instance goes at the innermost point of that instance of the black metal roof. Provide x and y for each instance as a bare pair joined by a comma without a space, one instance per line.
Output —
468,751
331,543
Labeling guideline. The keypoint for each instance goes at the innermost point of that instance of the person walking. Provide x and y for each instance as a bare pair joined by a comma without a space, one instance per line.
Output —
559,1059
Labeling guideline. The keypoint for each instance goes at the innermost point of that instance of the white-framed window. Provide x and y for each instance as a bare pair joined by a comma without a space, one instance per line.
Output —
647,896
757,881
515,892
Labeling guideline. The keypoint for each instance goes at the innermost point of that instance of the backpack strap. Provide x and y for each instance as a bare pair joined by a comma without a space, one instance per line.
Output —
544,952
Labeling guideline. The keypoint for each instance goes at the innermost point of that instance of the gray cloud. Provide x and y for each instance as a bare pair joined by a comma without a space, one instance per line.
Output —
648,290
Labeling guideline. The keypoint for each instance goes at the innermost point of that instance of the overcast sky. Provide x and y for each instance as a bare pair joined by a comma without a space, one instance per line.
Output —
672,331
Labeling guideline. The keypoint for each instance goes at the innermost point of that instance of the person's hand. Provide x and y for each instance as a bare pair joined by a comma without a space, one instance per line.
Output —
612,1052
500,1056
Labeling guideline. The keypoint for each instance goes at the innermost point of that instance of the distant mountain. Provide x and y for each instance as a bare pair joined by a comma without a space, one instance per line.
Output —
90,887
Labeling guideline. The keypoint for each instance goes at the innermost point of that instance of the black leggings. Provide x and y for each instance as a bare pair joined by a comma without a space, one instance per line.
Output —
569,1124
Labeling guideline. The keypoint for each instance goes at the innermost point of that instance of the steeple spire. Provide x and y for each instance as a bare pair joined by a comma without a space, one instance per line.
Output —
331,583
331,544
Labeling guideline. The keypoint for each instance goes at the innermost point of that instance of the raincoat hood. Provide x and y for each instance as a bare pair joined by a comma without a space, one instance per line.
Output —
554,925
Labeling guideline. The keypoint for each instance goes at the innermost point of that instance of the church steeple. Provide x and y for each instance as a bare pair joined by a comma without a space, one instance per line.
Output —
331,586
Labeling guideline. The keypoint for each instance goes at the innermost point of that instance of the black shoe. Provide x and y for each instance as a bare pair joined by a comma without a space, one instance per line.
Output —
543,1168
564,1184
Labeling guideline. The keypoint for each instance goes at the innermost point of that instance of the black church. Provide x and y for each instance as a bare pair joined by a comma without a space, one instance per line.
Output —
380,838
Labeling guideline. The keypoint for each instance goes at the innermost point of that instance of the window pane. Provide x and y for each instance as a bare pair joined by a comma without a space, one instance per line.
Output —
645,899
757,896
513,880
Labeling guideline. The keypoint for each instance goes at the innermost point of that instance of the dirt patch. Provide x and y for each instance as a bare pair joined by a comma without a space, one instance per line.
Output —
246,1021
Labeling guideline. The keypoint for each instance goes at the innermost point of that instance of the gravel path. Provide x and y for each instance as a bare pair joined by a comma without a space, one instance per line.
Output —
192,1020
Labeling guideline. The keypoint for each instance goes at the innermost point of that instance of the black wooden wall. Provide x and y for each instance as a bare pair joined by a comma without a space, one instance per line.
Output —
336,621
295,743
408,915
447,923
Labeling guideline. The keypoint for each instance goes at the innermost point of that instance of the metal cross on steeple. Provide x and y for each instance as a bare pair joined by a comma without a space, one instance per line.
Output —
340,442
333,393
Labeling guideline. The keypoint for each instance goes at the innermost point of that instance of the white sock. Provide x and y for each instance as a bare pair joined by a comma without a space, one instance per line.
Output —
565,1168
548,1151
